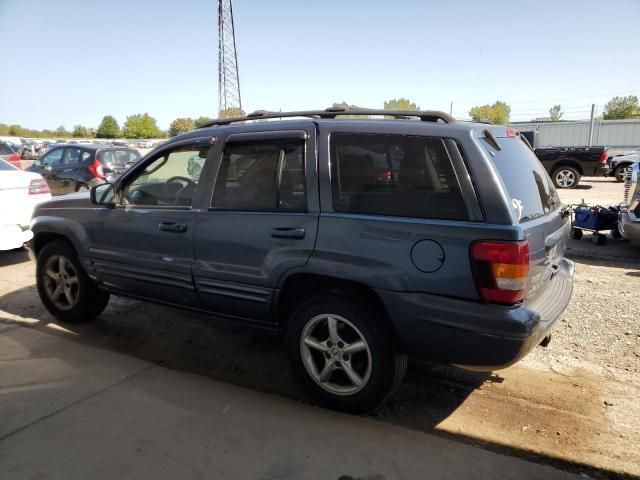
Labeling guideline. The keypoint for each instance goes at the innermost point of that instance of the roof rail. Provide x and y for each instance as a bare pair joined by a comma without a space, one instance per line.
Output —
333,112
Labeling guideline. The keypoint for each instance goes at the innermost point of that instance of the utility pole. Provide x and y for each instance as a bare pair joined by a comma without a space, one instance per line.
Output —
228,77
593,116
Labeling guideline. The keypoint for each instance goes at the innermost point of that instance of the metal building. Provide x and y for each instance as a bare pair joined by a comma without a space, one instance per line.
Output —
620,135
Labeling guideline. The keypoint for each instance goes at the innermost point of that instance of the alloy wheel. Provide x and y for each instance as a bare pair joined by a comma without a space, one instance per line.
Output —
61,282
335,354
565,178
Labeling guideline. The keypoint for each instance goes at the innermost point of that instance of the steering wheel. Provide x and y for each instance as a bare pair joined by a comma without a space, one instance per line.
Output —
177,180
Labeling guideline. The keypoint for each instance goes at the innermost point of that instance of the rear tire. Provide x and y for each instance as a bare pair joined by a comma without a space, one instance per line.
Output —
64,287
599,239
344,353
615,232
565,177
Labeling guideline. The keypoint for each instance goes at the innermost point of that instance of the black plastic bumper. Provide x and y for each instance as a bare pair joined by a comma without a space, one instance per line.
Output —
475,335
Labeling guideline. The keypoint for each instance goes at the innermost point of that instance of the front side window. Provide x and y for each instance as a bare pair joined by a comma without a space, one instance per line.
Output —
71,156
261,176
166,181
397,175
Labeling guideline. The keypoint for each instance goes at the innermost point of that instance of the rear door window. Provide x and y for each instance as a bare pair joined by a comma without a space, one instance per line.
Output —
531,191
397,175
5,149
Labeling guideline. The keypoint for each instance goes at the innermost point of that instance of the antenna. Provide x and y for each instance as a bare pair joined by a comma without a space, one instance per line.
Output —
228,78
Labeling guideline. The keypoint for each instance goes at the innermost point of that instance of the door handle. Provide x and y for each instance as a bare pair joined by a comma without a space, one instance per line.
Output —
172,227
287,232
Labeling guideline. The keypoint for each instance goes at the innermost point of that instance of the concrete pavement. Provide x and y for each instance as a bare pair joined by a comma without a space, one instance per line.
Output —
71,411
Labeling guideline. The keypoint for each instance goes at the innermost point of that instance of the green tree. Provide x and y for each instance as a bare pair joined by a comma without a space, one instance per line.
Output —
140,126
231,112
80,131
4,129
15,130
108,128
498,113
181,125
555,113
201,121
400,104
619,108
62,132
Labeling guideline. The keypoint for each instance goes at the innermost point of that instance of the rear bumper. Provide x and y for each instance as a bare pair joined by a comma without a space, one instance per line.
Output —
474,335
599,171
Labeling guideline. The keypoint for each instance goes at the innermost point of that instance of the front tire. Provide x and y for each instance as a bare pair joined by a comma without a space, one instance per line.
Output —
620,173
64,287
343,352
566,177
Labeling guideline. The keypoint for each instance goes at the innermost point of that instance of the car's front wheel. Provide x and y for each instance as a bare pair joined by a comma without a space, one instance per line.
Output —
65,289
620,173
344,353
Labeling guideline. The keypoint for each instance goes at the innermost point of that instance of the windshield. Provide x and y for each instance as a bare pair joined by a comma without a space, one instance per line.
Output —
529,186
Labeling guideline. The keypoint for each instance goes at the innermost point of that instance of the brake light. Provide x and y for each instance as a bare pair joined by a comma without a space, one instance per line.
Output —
512,132
603,157
500,270
96,169
38,186
14,158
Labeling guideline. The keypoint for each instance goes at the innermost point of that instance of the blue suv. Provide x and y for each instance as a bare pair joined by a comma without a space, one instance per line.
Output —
364,241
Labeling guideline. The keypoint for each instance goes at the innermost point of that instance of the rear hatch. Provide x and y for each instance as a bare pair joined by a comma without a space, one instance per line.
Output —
537,206
14,190
117,161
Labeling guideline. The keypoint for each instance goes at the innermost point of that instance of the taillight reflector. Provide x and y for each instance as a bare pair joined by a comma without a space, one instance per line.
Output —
14,158
512,132
501,270
38,186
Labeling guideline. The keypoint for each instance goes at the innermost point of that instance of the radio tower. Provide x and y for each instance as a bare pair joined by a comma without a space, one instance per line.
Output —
228,78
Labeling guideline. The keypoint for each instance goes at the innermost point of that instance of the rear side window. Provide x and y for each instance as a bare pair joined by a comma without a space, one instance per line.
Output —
261,176
398,175
6,166
5,149
531,191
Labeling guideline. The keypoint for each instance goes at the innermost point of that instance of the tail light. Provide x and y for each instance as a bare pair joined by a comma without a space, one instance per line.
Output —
96,169
38,186
512,132
14,158
386,177
603,157
500,270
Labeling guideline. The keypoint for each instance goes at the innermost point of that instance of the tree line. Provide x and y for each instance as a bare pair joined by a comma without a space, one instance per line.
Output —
145,126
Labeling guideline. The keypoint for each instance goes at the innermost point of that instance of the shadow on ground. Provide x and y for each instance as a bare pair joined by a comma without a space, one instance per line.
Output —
13,257
254,358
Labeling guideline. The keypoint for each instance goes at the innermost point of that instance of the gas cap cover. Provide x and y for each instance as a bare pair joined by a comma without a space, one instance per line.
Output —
427,256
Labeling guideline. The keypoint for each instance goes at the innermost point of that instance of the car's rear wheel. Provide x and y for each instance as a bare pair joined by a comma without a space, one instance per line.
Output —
343,352
64,287
566,177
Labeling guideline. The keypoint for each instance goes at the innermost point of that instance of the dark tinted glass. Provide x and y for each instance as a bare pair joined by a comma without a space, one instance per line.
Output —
5,149
528,184
398,175
261,176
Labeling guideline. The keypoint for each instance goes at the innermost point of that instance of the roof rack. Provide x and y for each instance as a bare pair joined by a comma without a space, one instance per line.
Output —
333,112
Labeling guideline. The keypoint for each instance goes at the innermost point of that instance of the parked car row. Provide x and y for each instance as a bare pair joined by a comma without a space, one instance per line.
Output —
75,168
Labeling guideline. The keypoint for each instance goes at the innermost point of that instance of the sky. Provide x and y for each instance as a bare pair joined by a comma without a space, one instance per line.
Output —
68,62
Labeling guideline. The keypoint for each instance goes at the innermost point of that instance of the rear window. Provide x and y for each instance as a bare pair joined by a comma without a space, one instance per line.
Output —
118,158
4,166
528,184
396,175
5,149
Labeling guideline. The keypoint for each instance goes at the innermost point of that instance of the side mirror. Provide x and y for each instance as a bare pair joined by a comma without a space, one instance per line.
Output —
48,167
103,194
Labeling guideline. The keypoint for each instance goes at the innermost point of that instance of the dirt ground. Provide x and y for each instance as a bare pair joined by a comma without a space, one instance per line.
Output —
573,405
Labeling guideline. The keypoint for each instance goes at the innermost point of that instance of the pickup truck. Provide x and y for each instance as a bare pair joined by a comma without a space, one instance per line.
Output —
567,164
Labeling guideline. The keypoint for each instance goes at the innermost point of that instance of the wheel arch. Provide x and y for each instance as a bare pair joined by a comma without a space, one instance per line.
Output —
298,286
47,229
567,162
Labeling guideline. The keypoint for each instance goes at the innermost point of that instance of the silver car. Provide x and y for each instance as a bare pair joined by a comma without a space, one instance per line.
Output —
629,221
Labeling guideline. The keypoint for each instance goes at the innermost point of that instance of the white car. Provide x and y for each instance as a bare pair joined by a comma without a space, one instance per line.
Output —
146,144
20,192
